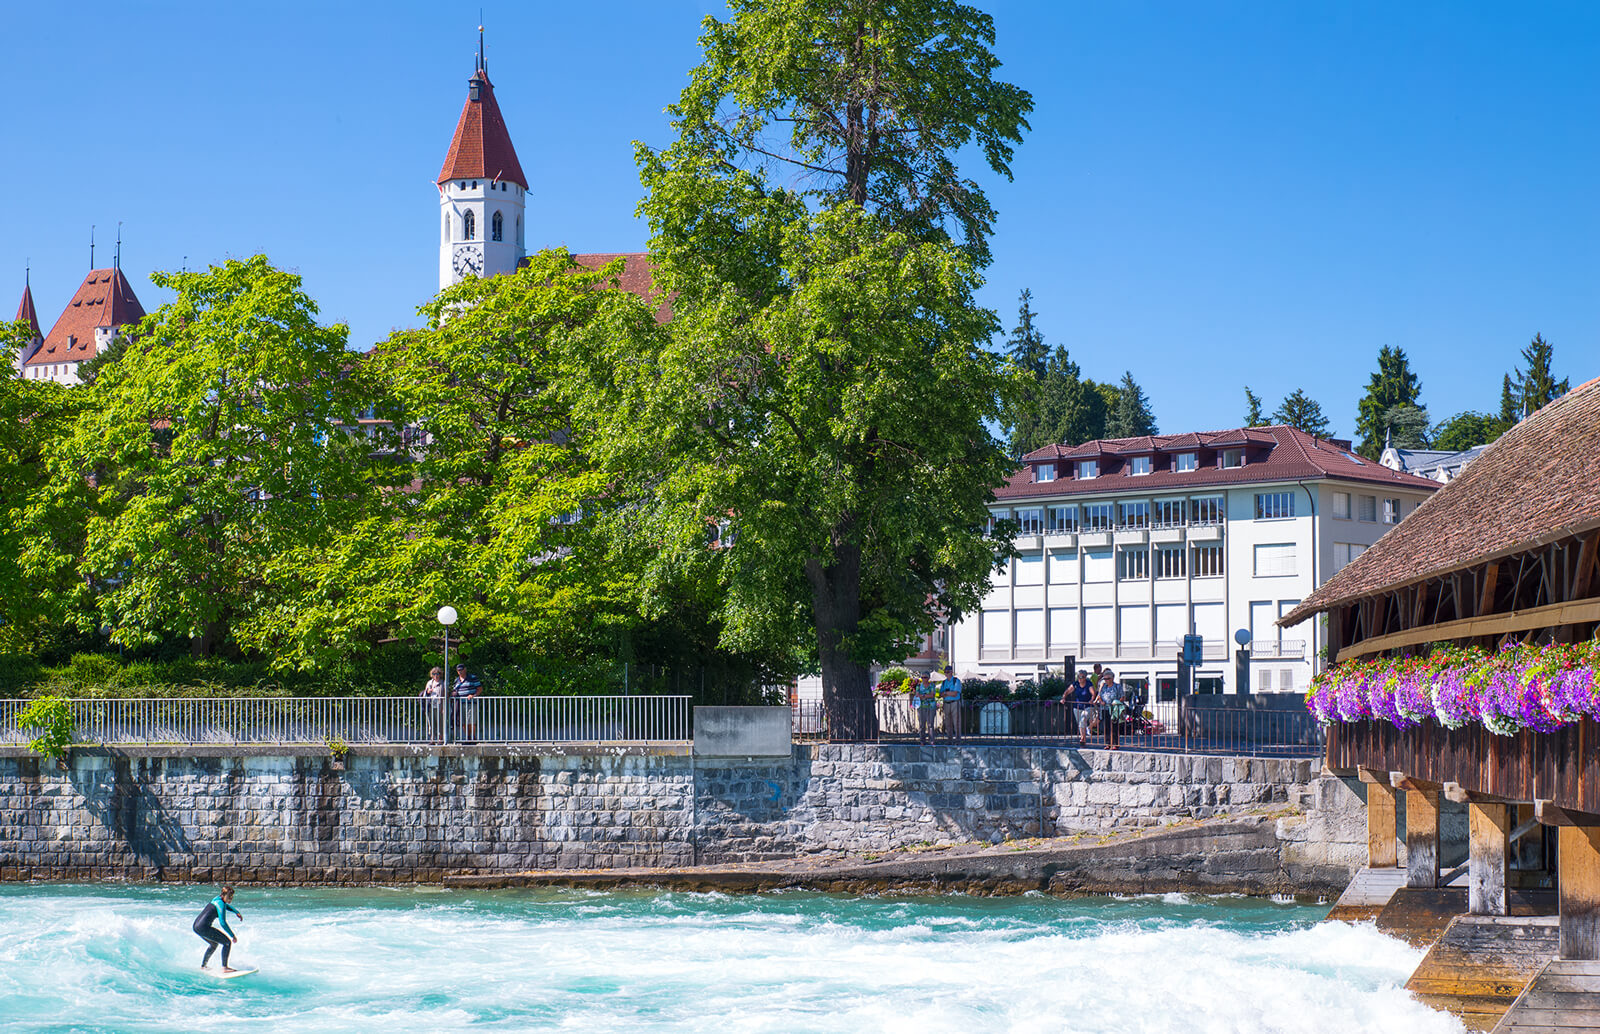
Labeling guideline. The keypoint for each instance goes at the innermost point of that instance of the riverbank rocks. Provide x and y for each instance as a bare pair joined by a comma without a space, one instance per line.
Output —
398,815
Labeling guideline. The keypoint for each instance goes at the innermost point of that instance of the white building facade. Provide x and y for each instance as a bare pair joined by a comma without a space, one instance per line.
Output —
1126,546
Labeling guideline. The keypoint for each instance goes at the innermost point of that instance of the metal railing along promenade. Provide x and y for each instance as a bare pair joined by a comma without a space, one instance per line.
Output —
369,720
1179,728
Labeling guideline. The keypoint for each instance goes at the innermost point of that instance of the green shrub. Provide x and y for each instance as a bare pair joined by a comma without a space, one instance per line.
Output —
50,717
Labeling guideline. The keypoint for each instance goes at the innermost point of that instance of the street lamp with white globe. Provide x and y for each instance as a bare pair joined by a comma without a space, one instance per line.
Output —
447,617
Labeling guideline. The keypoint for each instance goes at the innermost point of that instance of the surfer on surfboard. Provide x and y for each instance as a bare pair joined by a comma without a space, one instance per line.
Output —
217,911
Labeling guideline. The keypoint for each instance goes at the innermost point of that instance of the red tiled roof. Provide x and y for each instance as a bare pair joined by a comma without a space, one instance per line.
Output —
25,313
1274,454
481,148
105,299
637,277
1538,482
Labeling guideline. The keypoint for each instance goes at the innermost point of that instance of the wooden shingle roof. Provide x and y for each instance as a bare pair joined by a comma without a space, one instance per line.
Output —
1538,483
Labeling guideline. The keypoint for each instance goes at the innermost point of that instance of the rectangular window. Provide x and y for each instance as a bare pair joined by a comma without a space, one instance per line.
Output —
1368,508
1044,472
1028,569
1275,559
1271,506
1185,461
1133,515
1207,510
1344,552
1133,563
1098,565
1206,561
1391,511
1030,522
1341,505
1233,457
1139,465
1169,562
1097,517
1263,680
1063,518
1169,513
1088,468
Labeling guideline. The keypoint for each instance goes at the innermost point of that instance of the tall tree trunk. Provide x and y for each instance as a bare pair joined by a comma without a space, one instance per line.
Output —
836,612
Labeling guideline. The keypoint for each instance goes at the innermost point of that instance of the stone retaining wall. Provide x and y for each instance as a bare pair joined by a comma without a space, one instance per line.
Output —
409,814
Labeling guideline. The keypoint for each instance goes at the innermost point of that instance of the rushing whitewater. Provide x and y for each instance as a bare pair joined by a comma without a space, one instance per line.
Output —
118,958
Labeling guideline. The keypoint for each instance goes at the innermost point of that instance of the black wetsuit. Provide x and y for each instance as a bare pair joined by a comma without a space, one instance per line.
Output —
216,911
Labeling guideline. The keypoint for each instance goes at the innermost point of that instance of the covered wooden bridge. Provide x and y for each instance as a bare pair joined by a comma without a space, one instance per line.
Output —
1498,569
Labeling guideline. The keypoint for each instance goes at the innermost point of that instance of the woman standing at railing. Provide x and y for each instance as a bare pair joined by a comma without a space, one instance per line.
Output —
432,703
1111,699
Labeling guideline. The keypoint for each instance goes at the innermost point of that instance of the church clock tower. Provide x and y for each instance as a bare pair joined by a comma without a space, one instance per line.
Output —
482,191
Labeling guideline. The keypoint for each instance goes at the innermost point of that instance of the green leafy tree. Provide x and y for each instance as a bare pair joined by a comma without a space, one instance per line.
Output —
858,101
1406,427
1534,385
826,384
1071,410
1392,385
498,518
1130,416
1300,410
1252,402
212,446
1467,429
35,416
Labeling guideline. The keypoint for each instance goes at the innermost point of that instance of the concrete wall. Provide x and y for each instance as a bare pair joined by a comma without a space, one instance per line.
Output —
405,814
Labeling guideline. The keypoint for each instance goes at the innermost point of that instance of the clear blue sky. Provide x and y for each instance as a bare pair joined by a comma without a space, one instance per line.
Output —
1213,194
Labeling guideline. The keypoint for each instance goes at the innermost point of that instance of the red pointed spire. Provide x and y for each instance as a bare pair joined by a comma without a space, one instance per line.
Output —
481,148
26,313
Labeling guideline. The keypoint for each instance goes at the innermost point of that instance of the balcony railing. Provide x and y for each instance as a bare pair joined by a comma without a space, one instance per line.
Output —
1285,649
369,720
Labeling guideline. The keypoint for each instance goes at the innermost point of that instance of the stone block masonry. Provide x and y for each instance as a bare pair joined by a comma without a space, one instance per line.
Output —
408,814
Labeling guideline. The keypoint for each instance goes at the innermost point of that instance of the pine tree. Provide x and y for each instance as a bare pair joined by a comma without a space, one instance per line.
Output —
1538,386
1071,410
1509,411
1302,411
1131,416
1026,345
1406,427
1392,385
1252,401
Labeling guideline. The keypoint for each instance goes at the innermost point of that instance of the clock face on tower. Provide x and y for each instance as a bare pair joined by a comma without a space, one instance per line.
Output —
467,261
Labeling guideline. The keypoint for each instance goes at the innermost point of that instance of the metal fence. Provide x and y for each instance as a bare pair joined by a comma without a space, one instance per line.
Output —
1189,730
372,720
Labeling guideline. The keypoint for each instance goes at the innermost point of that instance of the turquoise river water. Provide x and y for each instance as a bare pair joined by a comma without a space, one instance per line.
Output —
122,958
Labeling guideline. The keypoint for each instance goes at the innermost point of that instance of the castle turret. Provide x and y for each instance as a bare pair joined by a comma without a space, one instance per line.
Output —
482,190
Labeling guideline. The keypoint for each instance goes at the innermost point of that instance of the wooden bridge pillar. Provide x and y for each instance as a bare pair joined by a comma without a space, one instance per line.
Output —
1382,837
1488,848
1579,880
1422,835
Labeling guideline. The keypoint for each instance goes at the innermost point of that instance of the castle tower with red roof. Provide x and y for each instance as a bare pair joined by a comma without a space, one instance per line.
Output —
26,314
104,305
482,190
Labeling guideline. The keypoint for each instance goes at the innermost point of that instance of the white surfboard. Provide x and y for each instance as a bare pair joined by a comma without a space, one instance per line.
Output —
220,975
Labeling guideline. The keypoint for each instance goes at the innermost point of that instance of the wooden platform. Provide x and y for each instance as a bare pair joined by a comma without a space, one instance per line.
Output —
1563,997
1367,894
1480,964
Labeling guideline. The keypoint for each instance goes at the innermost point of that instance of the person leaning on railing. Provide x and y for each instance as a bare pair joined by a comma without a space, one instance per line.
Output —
949,692
922,698
1077,698
1111,701
432,700
466,691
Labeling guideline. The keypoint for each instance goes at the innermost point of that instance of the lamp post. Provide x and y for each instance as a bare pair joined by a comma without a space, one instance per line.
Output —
447,617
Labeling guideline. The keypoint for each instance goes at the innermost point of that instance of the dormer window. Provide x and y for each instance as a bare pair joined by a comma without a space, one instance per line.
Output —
1233,457
1185,461
1139,465
1088,468
1044,472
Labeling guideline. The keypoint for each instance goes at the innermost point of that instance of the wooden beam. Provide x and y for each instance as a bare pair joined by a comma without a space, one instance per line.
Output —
1579,889
1491,575
1422,838
1488,851
1383,838
1549,616
1548,814
1586,564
